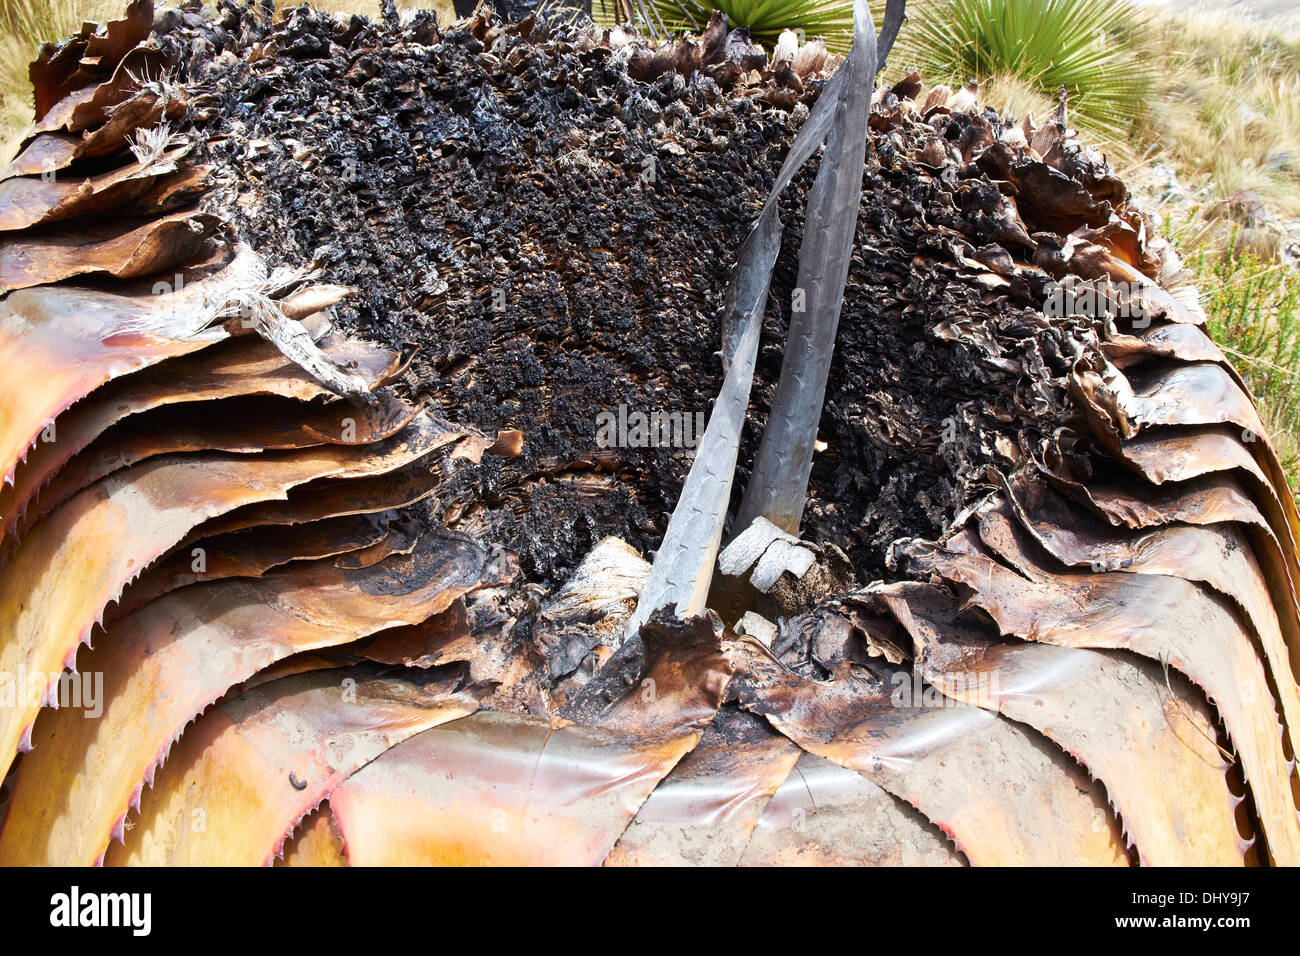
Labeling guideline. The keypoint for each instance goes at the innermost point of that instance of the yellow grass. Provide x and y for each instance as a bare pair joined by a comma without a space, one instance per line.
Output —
24,26
1227,115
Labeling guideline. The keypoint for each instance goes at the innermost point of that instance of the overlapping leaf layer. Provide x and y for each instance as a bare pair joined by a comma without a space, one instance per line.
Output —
242,619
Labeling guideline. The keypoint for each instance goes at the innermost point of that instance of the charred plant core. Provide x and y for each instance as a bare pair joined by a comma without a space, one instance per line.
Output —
552,222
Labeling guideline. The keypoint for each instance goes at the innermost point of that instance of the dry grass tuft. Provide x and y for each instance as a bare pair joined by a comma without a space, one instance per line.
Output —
1227,113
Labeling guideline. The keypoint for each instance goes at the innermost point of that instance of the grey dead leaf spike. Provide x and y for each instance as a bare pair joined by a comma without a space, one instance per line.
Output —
895,14
683,565
778,487
757,256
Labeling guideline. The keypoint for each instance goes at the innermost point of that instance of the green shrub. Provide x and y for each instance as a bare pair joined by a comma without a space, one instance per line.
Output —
1253,306
1095,48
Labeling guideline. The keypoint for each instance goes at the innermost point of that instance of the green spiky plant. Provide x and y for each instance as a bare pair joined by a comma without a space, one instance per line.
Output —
831,19
1095,48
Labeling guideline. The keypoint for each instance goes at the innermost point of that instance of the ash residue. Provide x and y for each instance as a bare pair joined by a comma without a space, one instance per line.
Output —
556,236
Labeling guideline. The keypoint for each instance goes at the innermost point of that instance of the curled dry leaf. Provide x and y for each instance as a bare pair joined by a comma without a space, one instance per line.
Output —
124,250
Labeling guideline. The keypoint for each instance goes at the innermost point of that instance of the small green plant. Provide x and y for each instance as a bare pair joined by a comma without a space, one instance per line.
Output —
1253,307
1094,48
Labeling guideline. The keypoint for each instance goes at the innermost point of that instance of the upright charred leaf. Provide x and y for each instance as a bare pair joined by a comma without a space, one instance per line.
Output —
779,484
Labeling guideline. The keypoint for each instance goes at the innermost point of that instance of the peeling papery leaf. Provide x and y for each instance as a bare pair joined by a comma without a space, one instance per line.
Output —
146,510
1177,454
1003,794
1152,299
250,554
402,538
165,663
1215,498
665,685
499,788
1214,452
141,65
1220,512
306,662
1186,343
246,365
1190,394
1120,238
1167,394
513,667
63,342
826,815
91,56
1205,499
104,50
60,343
578,626
140,111
263,758
125,250
778,486
1048,197
442,639
49,151
59,117
1169,455
176,190
243,425
53,68
704,811
1281,499
331,498
1118,715
26,202
272,304
1164,619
